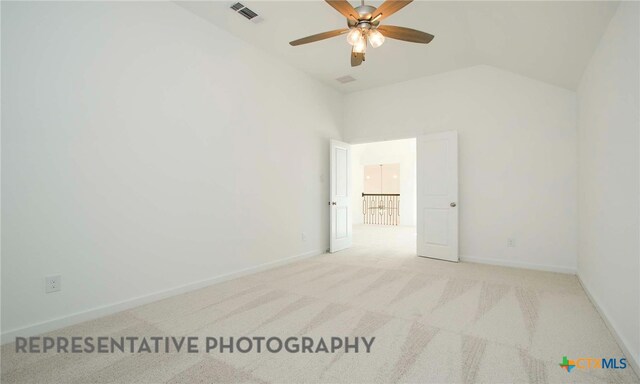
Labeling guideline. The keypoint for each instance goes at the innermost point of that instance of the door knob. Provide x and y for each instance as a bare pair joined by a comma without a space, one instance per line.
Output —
452,205
333,203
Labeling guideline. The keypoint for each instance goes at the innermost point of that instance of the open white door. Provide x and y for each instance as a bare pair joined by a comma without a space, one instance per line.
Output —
340,204
437,170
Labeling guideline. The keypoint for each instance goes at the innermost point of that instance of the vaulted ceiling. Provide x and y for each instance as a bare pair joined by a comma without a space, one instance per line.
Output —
548,41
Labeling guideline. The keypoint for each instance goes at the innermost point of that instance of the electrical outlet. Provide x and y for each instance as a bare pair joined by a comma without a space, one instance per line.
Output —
52,283
304,236
511,242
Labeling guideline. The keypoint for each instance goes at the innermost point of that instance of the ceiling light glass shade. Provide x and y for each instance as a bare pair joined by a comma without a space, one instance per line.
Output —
360,46
354,35
376,38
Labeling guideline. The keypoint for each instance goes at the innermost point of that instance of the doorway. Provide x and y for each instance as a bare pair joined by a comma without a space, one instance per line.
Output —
383,204
400,193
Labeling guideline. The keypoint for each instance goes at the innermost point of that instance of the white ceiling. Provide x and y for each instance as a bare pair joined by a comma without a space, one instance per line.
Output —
548,41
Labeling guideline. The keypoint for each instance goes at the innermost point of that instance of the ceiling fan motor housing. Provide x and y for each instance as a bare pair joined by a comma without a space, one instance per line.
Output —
365,13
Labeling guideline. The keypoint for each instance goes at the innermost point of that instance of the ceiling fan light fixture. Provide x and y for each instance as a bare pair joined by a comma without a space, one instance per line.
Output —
376,38
354,35
360,46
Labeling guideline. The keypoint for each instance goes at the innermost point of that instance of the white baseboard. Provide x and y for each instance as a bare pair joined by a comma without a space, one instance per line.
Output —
94,313
632,358
519,264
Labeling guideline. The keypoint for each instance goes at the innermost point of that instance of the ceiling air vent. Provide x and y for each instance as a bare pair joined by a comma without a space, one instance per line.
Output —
244,11
345,79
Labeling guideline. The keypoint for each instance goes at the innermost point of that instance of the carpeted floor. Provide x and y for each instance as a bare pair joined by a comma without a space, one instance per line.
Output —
433,321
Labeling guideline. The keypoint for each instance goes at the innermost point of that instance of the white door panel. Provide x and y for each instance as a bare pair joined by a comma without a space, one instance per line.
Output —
437,166
340,204
436,224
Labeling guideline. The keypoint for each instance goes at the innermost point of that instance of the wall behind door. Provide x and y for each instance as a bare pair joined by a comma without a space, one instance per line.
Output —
517,162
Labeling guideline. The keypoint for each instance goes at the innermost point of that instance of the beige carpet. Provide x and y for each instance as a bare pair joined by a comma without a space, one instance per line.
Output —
433,322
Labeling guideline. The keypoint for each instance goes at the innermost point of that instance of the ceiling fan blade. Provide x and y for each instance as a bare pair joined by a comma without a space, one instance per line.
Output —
319,36
388,8
356,59
344,8
406,34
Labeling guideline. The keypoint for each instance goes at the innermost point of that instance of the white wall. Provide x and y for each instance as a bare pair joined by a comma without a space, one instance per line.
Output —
517,143
144,149
609,176
401,152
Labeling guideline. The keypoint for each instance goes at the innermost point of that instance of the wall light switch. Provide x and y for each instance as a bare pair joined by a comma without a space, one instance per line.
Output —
52,283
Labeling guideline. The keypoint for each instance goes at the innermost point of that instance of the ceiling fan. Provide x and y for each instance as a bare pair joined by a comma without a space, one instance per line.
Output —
364,26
